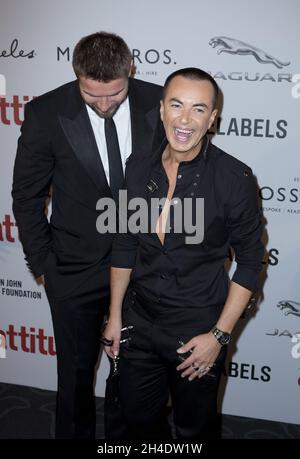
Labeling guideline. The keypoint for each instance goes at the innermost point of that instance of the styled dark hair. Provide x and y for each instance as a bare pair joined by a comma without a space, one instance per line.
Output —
102,56
193,73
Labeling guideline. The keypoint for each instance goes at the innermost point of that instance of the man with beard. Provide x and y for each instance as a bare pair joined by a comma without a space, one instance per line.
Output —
76,140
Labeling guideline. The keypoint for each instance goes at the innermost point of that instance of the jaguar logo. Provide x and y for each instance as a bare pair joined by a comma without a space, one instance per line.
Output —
233,46
289,307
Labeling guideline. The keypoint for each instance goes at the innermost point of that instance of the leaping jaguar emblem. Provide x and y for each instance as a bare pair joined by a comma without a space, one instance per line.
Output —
289,307
233,46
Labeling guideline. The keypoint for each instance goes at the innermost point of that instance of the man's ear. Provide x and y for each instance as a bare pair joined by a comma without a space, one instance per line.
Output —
212,118
131,70
161,110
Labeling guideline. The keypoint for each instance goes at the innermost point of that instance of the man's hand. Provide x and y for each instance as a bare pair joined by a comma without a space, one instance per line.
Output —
41,280
204,350
113,332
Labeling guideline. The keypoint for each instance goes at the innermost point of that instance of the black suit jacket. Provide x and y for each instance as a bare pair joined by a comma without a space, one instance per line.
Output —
57,149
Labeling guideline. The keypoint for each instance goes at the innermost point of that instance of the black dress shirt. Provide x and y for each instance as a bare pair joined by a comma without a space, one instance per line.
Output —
180,275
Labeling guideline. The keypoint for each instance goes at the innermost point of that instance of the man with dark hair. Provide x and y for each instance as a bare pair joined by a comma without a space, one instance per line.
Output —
193,73
102,56
179,309
76,140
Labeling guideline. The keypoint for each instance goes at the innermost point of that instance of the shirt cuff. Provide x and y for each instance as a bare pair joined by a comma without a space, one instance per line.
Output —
124,260
247,278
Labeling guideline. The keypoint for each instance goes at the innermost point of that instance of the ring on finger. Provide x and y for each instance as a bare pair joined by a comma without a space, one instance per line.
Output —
202,369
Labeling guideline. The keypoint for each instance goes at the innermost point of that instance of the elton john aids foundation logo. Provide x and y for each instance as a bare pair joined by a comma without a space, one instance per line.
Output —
233,46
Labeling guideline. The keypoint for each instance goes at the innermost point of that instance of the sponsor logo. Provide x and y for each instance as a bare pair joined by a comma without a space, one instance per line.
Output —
294,337
289,307
15,52
12,111
247,127
8,230
145,60
149,56
248,371
229,45
12,287
29,340
152,56
247,76
62,53
279,333
233,46
141,57
280,194
281,199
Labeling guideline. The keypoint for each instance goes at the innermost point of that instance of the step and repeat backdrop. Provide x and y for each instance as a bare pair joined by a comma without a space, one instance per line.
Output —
252,50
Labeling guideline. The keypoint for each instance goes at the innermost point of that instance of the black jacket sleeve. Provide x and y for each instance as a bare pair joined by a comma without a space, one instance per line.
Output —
32,177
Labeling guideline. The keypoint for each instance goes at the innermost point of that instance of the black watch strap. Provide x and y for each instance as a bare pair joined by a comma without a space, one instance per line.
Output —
222,337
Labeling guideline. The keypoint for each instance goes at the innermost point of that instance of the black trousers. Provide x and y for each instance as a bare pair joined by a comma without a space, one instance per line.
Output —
148,374
77,322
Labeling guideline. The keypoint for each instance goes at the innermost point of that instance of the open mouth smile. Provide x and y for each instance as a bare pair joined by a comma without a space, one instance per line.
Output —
183,135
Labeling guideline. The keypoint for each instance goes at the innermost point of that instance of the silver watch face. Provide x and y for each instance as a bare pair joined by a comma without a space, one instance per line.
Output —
224,339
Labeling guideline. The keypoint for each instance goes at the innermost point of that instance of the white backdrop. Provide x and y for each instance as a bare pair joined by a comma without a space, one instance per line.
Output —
259,124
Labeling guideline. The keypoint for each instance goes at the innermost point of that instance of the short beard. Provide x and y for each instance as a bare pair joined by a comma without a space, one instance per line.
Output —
109,113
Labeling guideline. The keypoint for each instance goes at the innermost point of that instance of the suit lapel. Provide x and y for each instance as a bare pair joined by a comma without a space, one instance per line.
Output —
143,124
76,125
80,135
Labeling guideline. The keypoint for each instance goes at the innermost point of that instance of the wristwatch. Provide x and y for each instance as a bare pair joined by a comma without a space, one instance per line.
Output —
222,337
